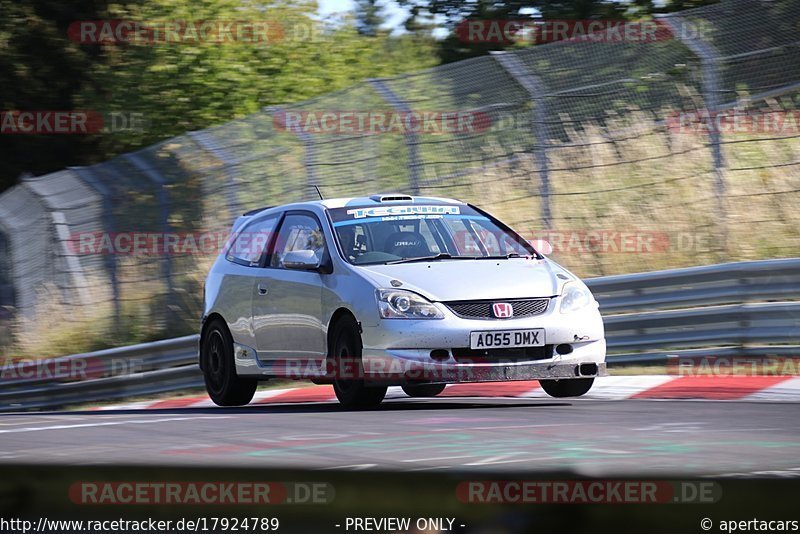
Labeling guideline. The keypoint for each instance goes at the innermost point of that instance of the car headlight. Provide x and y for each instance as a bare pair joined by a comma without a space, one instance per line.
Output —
574,297
401,304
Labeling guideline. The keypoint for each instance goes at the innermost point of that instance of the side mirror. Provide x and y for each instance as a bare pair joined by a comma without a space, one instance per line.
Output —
543,246
303,260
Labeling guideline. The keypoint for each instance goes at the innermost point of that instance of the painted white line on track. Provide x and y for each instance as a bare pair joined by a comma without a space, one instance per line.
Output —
604,451
434,467
502,459
491,460
505,427
141,405
440,458
25,420
354,467
110,423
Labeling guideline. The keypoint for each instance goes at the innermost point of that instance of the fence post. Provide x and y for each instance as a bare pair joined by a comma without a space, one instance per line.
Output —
535,89
110,260
309,151
412,139
61,238
201,138
155,177
7,297
709,71
74,266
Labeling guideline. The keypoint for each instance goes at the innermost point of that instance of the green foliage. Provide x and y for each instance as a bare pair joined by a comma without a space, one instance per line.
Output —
41,69
428,15
176,87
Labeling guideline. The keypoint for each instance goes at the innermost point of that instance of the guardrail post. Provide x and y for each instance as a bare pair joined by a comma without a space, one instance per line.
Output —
709,65
87,175
535,89
412,139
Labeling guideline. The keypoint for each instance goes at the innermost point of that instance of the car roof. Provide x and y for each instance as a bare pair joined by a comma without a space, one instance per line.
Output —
360,202
383,199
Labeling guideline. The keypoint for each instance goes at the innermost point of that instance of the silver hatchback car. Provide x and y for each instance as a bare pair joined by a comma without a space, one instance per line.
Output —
365,293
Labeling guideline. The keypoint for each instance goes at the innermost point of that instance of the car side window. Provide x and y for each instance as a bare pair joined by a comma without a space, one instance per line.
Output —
250,243
354,240
298,232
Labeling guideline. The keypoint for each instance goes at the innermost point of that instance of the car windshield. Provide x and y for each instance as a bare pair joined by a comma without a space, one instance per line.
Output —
401,233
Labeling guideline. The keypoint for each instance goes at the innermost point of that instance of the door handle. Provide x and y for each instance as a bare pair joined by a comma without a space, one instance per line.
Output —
262,289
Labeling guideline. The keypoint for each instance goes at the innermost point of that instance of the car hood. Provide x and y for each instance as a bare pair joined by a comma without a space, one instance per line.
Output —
447,280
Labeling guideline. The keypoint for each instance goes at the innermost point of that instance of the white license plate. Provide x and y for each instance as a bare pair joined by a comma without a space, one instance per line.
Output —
506,339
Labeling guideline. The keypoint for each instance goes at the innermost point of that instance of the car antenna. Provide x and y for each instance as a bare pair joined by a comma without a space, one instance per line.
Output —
316,187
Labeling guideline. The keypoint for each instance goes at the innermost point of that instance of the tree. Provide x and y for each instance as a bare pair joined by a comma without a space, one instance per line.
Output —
42,70
368,17
176,87
449,14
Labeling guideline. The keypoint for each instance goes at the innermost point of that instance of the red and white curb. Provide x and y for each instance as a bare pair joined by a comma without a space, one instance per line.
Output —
651,387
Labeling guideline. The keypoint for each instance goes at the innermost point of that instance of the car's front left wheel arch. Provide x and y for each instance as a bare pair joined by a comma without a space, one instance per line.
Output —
208,320
224,386
344,356
339,315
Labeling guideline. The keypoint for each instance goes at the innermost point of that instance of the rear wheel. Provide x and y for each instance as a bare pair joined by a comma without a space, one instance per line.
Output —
348,381
223,385
571,387
423,390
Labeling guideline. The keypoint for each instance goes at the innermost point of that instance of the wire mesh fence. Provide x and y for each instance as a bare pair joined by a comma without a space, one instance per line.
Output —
626,156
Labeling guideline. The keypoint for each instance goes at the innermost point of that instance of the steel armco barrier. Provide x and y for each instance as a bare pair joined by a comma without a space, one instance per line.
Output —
749,309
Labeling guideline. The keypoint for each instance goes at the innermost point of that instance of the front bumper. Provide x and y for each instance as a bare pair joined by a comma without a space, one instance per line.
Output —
401,351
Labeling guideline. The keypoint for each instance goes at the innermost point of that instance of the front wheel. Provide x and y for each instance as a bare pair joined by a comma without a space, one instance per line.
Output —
348,381
570,387
223,385
423,390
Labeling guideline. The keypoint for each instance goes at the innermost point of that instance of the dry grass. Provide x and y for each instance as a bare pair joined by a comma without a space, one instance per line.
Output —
646,201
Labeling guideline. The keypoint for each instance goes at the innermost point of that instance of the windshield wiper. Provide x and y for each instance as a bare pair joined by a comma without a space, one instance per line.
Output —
440,256
499,257
446,256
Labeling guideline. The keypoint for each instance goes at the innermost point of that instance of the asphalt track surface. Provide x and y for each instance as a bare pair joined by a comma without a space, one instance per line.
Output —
587,437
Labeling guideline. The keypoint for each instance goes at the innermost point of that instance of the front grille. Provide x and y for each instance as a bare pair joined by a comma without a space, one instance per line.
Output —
482,309
521,354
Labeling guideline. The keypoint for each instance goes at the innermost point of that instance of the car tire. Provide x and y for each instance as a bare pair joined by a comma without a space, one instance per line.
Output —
571,387
423,390
348,383
224,386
